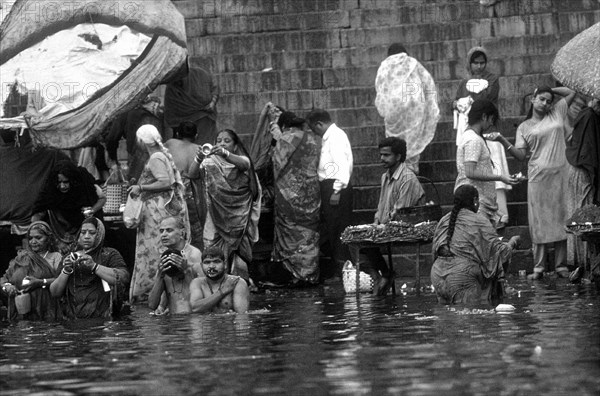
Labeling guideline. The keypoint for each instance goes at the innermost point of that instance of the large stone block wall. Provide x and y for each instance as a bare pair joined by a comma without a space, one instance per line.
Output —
325,53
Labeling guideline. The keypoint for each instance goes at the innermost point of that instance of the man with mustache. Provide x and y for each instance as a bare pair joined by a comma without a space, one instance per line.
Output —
179,264
218,292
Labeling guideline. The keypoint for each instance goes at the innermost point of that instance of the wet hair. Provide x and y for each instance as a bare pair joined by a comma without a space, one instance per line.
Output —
241,148
287,119
187,129
318,115
213,252
482,107
397,145
476,54
396,48
539,90
464,197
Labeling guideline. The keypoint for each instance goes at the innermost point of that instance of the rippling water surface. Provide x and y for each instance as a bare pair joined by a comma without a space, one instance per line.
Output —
321,341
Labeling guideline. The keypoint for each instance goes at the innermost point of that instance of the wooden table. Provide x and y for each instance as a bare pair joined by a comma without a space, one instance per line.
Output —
355,247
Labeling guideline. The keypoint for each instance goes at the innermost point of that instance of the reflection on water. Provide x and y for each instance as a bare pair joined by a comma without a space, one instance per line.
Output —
321,341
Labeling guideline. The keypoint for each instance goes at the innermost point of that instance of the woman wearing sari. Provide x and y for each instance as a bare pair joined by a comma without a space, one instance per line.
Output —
92,282
68,197
297,198
37,265
232,199
469,257
543,134
161,189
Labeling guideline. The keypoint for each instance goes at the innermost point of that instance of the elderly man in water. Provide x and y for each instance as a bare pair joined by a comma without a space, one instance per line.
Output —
179,265
218,292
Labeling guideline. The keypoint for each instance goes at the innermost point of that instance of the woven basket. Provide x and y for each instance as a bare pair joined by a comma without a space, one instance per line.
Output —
349,280
419,214
116,193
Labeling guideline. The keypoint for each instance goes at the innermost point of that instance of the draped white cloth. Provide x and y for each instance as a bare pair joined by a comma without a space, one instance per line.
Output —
407,100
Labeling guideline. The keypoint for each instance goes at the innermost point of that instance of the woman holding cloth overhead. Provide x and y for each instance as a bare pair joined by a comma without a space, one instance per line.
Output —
297,198
161,189
543,134
233,200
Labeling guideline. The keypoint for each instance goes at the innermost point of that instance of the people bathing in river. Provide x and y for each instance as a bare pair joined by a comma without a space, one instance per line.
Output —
69,196
469,258
218,291
31,272
93,279
179,264
232,200
400,188
161,190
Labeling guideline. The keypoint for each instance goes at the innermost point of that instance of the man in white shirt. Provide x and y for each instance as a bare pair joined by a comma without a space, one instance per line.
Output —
335,169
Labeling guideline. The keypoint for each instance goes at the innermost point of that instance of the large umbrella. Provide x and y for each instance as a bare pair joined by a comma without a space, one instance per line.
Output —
577,64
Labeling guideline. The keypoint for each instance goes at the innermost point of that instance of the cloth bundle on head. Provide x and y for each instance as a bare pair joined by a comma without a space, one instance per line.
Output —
407,100
148,134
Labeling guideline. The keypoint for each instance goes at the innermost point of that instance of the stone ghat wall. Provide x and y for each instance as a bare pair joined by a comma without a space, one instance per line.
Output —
325,53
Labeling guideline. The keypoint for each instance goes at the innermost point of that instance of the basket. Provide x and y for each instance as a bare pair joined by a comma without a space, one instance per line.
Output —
116,193
419,214
349,280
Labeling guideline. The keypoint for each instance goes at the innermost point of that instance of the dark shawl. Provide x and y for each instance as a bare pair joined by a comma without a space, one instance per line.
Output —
65,208
493,89
583,149
185,98
84,295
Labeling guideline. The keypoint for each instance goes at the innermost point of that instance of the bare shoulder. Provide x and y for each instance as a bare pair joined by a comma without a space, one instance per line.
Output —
241,285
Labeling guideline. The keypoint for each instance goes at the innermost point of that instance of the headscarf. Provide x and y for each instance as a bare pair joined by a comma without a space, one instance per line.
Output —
45,229
98,244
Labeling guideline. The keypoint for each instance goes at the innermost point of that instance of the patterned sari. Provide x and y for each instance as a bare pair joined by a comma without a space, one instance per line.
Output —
297,203
232,212
157,206
471,274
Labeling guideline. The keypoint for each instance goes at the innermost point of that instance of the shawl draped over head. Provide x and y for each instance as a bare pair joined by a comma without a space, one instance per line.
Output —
85,296
493,87
186,97
407,100
82,192
583,149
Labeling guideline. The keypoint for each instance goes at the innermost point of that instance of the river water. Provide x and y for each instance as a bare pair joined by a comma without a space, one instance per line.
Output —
322,341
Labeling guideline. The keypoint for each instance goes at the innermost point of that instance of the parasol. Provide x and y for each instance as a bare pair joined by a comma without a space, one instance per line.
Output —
577,63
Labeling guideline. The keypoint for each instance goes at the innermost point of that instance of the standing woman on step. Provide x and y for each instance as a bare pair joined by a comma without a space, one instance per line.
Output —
482,84
473,160
543,134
